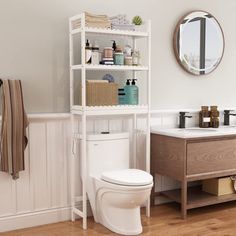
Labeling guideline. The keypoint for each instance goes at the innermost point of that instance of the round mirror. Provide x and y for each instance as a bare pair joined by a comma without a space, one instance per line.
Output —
199,43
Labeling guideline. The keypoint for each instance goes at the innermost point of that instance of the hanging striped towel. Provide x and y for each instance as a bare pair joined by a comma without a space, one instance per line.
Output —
13,133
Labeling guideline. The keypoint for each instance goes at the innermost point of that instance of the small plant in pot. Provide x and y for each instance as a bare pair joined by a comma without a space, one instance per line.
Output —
138,22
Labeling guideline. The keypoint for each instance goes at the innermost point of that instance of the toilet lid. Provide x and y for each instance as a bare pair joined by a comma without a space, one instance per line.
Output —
128,177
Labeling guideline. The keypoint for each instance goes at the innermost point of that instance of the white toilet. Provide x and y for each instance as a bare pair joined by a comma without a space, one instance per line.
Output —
115,191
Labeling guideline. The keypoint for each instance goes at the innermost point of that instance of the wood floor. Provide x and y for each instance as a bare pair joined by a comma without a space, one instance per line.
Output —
218,220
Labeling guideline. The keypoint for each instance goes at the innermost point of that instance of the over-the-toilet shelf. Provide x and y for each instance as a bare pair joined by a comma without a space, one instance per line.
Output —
81,112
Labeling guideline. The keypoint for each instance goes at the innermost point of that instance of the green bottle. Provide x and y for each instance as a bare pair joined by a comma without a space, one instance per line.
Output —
134,93
127,90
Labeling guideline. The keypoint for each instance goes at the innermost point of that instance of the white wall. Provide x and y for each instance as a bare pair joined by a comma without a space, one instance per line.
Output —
34,48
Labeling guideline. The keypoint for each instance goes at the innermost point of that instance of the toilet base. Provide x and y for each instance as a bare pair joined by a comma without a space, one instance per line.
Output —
117,207
121,225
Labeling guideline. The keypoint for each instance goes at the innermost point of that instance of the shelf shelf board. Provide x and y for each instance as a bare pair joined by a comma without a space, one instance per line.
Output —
198,198
129,33
110,110
110,67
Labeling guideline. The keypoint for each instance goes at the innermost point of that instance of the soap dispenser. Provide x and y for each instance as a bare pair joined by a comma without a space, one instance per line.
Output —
114,45
134,94
127,91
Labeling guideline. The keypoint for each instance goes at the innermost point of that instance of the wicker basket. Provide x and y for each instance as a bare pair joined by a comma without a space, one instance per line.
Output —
101,94
218,186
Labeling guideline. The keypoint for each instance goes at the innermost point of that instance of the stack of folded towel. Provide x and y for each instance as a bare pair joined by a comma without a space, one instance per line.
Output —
93,21
120,22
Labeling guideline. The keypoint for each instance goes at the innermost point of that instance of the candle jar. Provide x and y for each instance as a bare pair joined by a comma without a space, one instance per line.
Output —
108,52
119,58
128,61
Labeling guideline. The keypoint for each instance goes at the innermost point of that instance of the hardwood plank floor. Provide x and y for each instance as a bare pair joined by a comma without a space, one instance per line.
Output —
218,220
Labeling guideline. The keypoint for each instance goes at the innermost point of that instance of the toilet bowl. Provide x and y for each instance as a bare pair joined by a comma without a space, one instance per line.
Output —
115,191
118,201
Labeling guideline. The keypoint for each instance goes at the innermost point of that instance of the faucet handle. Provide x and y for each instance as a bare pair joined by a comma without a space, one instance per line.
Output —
227,111
183,113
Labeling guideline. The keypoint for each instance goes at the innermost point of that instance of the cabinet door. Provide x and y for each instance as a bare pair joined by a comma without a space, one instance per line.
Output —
211,156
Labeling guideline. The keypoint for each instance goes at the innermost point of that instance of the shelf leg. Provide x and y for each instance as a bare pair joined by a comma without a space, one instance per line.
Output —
152,201
184,191
148,208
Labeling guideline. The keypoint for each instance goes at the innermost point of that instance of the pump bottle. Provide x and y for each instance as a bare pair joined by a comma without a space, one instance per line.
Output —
134,93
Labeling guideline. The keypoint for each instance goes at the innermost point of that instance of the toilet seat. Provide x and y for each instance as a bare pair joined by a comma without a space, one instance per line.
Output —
128,177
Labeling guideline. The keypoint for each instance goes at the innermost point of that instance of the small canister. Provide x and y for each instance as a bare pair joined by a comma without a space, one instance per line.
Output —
128,61
108,52
119,58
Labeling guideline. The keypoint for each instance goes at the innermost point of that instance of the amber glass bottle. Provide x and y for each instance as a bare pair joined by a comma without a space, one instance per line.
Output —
215,122
204,117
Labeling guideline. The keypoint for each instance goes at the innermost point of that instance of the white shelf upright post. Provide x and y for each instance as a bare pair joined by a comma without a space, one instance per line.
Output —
84,123
83,120
72,161
149,108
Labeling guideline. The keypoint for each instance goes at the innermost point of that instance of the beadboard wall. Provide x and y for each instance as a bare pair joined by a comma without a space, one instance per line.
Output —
42,193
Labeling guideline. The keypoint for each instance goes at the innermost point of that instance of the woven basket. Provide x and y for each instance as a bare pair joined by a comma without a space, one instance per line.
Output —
101,94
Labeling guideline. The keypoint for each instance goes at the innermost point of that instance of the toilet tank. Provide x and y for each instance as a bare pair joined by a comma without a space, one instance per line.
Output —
107,152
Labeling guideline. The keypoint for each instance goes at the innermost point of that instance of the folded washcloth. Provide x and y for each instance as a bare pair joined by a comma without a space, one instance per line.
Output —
119,20
13,133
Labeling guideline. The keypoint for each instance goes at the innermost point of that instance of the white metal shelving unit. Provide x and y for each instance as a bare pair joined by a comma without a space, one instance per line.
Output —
83,112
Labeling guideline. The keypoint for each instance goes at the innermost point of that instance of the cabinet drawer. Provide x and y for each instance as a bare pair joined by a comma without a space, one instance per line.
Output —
211,156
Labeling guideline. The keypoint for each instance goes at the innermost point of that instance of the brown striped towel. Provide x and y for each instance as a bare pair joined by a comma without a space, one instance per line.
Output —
13,133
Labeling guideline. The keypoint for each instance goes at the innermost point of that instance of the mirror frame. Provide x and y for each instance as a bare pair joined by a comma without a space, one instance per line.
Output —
175,42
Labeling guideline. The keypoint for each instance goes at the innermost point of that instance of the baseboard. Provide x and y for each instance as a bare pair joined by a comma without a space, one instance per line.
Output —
34,219
38,218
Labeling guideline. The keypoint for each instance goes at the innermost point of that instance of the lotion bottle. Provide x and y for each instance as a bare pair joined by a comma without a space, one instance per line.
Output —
134,93
127,90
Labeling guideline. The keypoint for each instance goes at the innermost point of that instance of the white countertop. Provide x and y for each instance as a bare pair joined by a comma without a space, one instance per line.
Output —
195,132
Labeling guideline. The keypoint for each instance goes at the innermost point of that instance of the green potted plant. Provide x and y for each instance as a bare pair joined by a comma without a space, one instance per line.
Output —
138,22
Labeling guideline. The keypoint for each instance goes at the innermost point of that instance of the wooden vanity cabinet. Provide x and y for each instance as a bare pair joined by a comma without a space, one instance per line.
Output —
193,159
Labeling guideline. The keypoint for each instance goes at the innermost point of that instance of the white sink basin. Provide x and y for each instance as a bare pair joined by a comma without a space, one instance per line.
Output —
195,132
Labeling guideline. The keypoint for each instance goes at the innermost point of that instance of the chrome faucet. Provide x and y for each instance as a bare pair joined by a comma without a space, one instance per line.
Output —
182,116
227,115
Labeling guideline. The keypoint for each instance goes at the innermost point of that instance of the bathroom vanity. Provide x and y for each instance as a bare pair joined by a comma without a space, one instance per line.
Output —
193,154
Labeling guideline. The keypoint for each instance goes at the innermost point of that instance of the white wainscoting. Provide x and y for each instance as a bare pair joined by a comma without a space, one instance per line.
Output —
42,193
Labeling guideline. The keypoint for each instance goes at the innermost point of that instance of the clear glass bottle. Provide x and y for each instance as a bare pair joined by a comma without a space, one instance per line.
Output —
136,58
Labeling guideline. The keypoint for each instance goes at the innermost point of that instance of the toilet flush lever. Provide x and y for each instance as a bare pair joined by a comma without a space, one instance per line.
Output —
73,146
